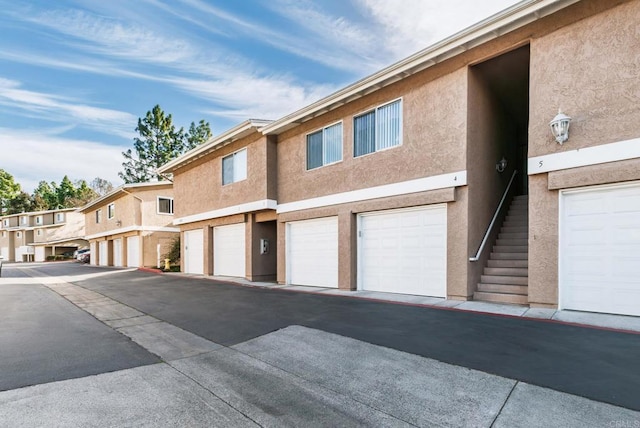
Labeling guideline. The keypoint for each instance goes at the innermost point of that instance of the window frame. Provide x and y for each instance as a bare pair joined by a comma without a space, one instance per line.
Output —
158,205
375,110
5,222
60,218
98,215
232,156
39,220
38,232
111,211
24,220
322,130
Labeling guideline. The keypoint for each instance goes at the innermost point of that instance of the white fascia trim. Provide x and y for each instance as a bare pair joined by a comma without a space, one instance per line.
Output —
133,229
454,179
622,150
264,204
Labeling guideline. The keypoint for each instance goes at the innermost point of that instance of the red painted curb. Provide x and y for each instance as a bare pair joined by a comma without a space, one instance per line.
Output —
150,270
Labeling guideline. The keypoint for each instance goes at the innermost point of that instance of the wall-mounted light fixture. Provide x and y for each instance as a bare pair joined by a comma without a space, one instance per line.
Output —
501,165
560,127
118,223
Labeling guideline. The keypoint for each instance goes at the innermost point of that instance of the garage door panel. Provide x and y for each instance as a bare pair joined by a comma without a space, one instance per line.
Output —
133,251
312,252
599,241
403,251
103,255
194,251
229,250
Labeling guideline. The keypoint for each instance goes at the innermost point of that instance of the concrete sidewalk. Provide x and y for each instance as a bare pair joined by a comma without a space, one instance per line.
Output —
302,377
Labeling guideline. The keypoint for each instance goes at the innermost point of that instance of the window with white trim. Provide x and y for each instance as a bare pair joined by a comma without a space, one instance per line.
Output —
4,233
59,217
39,232
111,211
324,147
234,167
5,222
18,234
378,129
39,219
24,220
98,216
165,205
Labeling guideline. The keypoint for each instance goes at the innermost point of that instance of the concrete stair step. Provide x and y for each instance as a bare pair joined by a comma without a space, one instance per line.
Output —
501,298
509,280
508,263
513,235
504,289
511,242
510,249
516,218
516,223
509,256
507,271
514,229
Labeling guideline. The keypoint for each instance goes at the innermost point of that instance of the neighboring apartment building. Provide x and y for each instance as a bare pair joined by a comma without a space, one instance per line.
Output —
35,236
226,190
391,184
131,226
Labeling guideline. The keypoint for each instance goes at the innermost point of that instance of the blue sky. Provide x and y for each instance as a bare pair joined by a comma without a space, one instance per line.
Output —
75,75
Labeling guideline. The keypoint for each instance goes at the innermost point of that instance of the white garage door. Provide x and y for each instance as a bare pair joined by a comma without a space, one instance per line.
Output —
312,252
40,254
600,250
194,251
133,251
4,252
404,251
103,253
117,252
229,250
92,253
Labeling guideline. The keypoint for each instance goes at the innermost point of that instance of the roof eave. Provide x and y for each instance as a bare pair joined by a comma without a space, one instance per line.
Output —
510,19
237,132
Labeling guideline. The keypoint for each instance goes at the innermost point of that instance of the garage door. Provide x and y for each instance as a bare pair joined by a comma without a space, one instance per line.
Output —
103,253
312,252
600,250
194,251
133,251
40,254
229,250
404,251
4,252
92,253
117,252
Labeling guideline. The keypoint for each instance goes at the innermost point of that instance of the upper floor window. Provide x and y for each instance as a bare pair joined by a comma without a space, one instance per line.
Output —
111,211
4,233
18,235
98,216
5,222
165,205
39,232
324,146
39,219
378,129
24,220
59,217
234,167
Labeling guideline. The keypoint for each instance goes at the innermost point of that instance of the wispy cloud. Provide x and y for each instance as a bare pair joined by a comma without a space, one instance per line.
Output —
66,110
32,156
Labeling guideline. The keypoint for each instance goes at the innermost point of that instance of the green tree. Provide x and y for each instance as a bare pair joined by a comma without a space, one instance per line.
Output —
20,203
158,143
101,186
44,197
9,189
83,193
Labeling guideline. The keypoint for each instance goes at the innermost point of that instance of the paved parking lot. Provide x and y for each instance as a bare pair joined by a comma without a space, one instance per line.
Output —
194,352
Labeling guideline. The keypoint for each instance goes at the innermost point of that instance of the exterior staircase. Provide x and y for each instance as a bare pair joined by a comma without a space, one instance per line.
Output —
506,275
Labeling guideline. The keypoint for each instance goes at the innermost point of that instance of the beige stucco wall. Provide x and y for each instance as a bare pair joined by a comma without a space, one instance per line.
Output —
199,188
596,83
433,140
137,207
72,228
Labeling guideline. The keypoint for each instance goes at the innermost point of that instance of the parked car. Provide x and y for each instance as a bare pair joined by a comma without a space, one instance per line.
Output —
80,253
85,257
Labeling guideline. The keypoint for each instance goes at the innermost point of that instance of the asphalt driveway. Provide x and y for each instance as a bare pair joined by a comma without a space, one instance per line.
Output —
588,362
45,338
